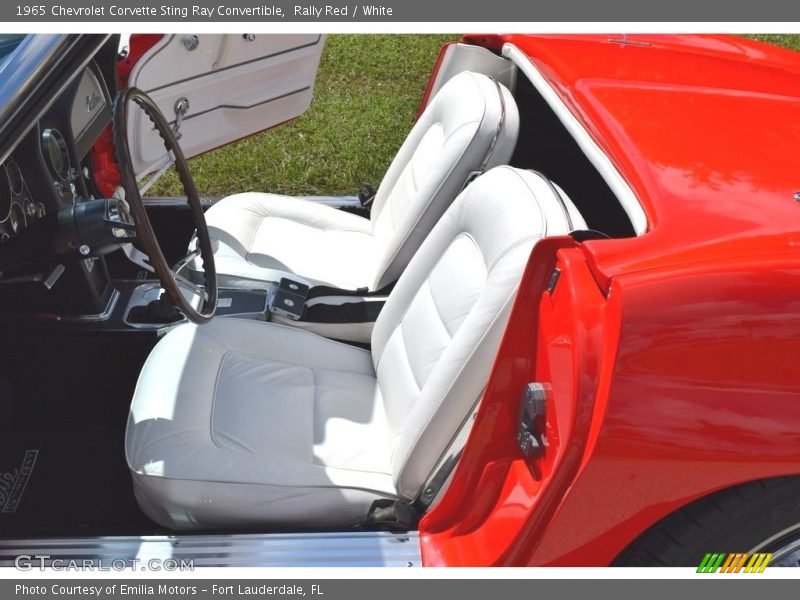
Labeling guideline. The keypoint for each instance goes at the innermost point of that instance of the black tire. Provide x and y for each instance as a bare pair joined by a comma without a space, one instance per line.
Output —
762,515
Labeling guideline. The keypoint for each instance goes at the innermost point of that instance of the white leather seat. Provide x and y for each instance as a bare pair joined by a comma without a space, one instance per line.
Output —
470,125
245,424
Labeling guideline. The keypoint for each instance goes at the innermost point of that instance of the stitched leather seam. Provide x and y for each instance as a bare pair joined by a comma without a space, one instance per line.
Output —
404,466
312,458
405,355
378,357
438,312
430,275
508,249
255,234
214,400
424,211
536,199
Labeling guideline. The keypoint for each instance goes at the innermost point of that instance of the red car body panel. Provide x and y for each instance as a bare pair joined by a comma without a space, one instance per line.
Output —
670,358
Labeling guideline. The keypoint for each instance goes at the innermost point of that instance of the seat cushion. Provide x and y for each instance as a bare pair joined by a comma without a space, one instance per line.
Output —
240,423
259,232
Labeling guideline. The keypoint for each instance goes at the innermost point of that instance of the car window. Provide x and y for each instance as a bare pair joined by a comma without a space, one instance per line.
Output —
8,43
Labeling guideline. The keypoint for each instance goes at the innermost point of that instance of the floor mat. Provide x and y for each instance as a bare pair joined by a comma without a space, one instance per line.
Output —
67,480
63,410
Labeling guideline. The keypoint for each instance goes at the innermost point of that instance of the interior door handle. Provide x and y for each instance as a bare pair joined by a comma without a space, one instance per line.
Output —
181,108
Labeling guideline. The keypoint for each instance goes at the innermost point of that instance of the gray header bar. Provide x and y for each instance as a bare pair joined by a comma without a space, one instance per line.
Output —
396,11
707,586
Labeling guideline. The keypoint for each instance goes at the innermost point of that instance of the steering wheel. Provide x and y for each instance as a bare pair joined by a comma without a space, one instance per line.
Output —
169,277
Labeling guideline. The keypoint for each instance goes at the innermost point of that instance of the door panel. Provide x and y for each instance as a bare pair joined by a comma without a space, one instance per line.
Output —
235,86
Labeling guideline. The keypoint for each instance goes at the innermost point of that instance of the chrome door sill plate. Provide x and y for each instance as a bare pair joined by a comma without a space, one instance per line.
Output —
357,549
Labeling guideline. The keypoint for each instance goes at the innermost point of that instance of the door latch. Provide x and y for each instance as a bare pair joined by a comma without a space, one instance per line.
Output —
530,436
181,108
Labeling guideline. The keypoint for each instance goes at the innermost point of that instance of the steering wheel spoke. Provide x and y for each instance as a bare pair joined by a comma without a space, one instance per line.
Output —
152,258
196,288
182,263
137,257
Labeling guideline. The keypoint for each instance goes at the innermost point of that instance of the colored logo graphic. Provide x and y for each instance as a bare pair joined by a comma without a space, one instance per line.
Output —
740,562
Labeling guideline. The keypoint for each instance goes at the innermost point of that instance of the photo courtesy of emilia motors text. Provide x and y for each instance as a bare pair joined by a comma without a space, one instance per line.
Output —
343,299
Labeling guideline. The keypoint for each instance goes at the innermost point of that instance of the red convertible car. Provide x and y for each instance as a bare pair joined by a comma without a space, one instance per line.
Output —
563,330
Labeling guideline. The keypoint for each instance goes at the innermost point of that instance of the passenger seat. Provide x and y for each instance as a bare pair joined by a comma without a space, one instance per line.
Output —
470,126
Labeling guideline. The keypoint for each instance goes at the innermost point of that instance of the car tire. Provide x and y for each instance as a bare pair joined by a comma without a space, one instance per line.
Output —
761,516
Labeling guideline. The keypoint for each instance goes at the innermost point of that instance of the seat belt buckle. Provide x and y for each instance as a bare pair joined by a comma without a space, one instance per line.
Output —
290,299
366,194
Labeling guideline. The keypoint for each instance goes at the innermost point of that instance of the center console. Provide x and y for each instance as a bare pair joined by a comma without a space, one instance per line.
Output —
338,314
243,303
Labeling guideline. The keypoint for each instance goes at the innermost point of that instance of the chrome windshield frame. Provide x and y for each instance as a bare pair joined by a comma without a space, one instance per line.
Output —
33,76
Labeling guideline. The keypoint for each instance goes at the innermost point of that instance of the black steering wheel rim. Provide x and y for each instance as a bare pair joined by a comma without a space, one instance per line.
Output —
144,229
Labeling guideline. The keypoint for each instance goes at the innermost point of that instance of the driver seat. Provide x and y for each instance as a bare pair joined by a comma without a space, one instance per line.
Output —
247,424
469,126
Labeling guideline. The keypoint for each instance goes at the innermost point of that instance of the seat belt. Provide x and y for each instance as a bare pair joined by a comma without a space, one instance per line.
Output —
291,301
347,312
366,194
329,290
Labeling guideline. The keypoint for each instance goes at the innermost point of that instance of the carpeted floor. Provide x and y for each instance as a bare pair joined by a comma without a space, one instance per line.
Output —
63,409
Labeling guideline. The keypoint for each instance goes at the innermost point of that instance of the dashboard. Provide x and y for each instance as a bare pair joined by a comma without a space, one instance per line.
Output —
17,206
49,169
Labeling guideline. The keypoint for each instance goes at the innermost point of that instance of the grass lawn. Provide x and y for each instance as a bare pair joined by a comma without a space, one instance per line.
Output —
366,97
787,40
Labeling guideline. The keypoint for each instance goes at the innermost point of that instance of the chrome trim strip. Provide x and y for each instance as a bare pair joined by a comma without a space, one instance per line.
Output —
139,297
557,193
207,201
357,549
596,156
103,316
165,42
499,130
485,162
23,71
178,201
335,201
439,479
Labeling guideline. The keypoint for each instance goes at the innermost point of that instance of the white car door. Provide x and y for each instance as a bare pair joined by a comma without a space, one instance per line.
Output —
216,89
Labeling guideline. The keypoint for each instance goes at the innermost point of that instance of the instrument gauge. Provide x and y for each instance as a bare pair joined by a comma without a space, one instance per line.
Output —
56,153
5,195
16,218
14,178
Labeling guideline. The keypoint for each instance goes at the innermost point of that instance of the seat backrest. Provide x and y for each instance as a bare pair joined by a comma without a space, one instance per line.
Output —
435,341
470,125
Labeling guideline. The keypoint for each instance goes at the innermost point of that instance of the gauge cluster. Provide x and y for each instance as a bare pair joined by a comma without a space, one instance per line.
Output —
50,168
17,208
